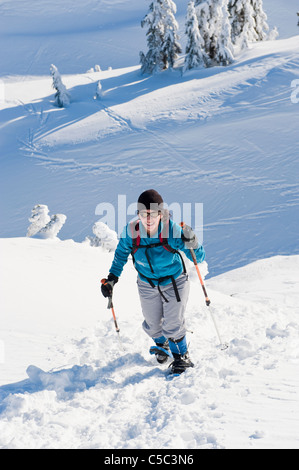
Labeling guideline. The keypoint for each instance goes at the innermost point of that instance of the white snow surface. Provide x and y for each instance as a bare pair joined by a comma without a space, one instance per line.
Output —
226,137
67,382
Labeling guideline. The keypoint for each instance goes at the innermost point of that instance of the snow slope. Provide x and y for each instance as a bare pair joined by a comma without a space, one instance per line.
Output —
78,35
226,137
82,390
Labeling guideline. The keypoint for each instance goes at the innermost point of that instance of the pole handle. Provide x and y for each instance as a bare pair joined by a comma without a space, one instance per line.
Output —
110,306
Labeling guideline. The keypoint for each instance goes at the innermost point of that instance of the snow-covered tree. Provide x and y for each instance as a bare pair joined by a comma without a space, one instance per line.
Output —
62,96
170,46
195,54
260,17
42,224
248,22
99,91
53,226
242,22
222,47
39,219
153,60
203,14
104,237
215,29
162,38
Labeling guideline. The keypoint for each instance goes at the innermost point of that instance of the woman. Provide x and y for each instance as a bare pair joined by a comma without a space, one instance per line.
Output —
155,243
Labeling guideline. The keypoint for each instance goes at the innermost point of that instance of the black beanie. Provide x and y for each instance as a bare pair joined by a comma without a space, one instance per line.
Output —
150,200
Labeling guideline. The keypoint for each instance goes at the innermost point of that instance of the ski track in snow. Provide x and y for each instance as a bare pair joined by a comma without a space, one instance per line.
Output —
170,146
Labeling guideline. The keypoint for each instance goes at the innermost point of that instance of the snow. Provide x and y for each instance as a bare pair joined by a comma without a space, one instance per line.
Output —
226,137
67,382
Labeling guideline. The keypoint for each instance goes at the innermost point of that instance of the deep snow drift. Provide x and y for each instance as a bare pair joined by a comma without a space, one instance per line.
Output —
82,390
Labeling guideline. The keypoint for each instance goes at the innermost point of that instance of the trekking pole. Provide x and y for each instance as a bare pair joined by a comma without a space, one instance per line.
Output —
110,306
223,346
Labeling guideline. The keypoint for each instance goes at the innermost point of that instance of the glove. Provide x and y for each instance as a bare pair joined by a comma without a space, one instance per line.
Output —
189,237
108,284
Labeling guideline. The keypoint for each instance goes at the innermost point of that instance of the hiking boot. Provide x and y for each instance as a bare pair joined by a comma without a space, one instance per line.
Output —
180,363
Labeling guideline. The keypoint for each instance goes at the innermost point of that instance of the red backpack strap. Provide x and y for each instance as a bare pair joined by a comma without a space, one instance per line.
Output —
163,237
134,226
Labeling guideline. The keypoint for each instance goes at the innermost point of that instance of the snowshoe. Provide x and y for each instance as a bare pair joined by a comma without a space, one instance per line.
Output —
161,351
180,363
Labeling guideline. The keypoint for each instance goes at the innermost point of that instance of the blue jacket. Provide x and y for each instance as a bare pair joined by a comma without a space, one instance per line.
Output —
164,263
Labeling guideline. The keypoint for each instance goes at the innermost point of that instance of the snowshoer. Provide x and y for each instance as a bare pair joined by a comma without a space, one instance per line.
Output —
156,244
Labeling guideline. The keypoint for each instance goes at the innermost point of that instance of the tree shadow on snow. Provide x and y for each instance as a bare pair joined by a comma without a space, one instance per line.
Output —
43,118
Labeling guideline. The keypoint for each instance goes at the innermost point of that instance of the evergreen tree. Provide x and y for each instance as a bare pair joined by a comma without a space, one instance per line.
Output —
39,218
99,91
170,46
202,8
215,29
222,47
260,17
152,61
62,96
249,22
104,237
195,54
42,224
53,226
162,37
242,22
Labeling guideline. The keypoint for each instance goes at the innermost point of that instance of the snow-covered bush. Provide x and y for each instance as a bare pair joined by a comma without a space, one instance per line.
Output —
42,224
104,237
62,96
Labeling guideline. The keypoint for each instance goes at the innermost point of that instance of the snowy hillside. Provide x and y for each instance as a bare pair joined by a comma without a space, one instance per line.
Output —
226,137
82,390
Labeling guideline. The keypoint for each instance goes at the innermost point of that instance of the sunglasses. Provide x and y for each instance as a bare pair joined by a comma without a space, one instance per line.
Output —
152,215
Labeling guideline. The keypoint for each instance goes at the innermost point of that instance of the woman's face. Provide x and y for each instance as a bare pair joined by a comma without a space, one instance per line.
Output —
150,220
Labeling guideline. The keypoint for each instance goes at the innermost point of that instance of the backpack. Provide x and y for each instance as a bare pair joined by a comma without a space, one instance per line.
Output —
163,241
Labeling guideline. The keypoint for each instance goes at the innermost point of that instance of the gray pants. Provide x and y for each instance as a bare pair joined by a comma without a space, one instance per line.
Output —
163,318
